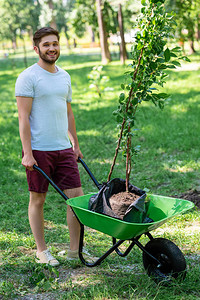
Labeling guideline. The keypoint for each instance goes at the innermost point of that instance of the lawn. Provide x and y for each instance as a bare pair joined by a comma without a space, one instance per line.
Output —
167,164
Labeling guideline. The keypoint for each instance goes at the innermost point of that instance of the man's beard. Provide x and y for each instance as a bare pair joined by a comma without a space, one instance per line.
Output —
45,58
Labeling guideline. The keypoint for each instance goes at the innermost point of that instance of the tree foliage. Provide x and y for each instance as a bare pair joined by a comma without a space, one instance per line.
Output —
151,57
84,14
17,16
187,18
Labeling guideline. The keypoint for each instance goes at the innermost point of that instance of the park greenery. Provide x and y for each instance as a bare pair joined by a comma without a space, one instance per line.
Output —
168,163
98,80
91,19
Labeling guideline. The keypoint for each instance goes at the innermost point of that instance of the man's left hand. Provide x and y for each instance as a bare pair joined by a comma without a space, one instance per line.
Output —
78,153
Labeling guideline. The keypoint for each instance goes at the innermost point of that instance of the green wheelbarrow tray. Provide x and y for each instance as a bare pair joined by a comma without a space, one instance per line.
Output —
160,209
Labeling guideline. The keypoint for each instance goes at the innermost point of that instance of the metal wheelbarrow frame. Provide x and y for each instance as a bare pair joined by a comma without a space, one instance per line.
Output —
162,259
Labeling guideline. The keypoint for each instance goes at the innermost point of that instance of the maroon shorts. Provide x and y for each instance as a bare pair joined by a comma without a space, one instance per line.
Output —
61,166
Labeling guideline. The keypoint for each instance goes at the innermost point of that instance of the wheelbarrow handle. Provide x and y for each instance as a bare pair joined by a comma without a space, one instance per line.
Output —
98,185
50,181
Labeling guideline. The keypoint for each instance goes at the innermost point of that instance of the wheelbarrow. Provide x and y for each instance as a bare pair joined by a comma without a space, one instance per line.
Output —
162,259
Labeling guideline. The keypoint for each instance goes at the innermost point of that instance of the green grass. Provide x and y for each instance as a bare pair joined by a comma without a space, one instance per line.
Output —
168,164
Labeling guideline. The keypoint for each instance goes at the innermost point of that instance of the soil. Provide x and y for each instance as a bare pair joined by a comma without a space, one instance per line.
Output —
192,195
121,201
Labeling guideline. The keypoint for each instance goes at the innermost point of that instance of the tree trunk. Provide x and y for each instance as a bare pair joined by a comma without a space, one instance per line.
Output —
30,33
198,27
91,32
14,45
14,42
198,33
123,53
67,36
53,21
25,54
74,43
67,43
191,36
105,53
192,50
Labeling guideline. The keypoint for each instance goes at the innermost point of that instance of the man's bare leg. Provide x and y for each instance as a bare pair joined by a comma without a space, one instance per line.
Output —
72,222
36,219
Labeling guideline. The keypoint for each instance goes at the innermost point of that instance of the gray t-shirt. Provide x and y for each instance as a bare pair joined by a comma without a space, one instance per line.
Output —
48,118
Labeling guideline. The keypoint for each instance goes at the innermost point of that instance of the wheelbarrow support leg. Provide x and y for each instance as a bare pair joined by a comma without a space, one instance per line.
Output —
99,260
149,254
127,251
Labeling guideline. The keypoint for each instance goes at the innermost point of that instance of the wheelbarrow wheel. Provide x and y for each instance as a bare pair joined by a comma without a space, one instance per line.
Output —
172,262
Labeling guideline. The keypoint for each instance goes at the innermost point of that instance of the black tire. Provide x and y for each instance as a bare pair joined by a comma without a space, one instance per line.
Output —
173,264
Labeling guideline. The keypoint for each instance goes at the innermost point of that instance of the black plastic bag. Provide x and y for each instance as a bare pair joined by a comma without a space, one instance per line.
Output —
136,212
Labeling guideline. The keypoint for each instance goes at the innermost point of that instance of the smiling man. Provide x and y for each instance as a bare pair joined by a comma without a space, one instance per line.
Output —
48,135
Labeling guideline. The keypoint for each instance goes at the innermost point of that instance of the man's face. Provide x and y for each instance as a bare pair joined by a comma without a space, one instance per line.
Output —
49,49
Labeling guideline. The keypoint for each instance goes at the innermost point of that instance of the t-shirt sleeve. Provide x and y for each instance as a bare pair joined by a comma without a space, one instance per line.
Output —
24,86
69,96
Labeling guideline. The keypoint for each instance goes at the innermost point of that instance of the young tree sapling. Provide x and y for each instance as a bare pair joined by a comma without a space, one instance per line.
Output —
150,57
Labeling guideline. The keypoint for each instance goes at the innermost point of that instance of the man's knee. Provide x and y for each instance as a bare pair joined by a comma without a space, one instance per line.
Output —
37,199
73,193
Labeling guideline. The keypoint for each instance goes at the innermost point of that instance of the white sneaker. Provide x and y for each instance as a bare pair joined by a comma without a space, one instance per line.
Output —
73,255
45,257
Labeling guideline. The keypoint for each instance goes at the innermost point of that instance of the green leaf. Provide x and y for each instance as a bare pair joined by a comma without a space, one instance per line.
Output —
119,118
162,67
176,63
173,54
171,67
121,97
162,96
144,33
134,101
160,60
167,54
176,49
140,46
138,35
143,2
161,104
185,58
122,86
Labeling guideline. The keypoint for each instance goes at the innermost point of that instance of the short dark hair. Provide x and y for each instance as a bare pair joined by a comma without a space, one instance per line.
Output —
44,31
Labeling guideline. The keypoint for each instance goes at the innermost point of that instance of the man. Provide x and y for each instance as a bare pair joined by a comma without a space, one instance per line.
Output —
43,93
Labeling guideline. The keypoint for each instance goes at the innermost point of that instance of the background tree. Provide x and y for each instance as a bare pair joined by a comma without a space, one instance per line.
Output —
17,16
62,19
48,13
113,21
119,17
119,28
123,53
187,19
99,17
83,16
105,53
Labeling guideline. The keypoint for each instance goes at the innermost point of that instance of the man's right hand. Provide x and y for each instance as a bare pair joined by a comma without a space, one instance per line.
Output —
28,161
